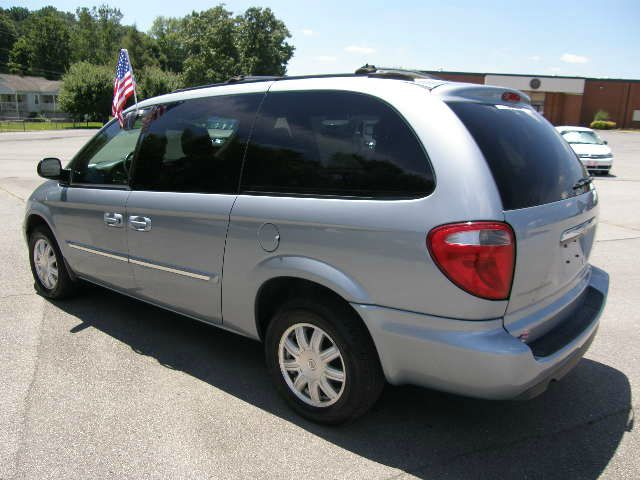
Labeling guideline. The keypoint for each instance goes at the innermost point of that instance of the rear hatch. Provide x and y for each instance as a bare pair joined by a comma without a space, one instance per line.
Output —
549,202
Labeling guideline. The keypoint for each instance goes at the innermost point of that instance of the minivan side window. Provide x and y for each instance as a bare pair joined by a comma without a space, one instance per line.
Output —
106,159
334,143
195,145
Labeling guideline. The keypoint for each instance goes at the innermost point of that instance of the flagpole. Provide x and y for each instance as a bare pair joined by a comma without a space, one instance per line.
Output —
135,84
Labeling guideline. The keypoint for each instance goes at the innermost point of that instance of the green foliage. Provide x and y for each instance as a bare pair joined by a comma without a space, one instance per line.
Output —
219,46
27,126
168,34
87,89
202,47
601,115
210,45
8,36
20,57
262,43
18,14
97,34
143,50
602,124
153,81
44,32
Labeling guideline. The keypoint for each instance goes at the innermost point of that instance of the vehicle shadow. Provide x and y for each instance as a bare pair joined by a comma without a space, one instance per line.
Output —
603,175
572,431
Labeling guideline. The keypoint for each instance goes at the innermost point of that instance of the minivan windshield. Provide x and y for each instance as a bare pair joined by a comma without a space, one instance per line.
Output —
582,137
530,162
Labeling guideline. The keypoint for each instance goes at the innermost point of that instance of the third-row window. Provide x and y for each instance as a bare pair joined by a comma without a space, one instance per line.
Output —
334,143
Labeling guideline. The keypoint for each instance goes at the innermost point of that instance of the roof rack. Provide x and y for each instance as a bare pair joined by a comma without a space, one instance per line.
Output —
236,79
366,70
253,78
393,73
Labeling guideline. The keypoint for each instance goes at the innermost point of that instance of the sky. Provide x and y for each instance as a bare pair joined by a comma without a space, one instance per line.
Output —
589,38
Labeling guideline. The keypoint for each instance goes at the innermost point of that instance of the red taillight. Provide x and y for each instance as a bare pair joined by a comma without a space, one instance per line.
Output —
478,257
510,97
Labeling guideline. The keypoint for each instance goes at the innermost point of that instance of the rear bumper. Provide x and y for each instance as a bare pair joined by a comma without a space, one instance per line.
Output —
480,358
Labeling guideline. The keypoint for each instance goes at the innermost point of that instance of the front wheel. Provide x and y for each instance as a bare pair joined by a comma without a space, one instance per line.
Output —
48,267
323,360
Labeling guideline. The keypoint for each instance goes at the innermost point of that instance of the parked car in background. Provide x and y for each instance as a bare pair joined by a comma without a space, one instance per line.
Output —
593,151
368,227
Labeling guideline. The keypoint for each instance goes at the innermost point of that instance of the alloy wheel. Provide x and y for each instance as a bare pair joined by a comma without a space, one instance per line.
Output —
312,365
46,263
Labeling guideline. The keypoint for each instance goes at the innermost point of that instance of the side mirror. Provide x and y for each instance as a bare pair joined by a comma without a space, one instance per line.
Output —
605,142
51,168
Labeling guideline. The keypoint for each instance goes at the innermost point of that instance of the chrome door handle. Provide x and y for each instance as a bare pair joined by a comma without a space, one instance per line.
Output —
140,224
112,219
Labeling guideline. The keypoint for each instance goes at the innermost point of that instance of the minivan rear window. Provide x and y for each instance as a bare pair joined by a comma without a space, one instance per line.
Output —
530,162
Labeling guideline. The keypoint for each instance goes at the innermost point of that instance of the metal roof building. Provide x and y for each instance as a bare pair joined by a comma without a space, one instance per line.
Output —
21,96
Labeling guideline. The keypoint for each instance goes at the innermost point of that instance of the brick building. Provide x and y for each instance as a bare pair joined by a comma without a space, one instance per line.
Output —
567,100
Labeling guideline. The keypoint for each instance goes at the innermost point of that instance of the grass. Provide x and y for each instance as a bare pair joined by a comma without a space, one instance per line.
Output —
19,126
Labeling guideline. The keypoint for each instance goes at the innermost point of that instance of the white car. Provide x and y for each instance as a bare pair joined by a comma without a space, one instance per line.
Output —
592,151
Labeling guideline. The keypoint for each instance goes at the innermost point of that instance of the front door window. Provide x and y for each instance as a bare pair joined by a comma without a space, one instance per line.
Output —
106,159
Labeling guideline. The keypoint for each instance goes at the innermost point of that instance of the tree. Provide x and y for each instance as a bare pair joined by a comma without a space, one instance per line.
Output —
18,15
109,32
152,81
218,46
85,47
143,50
210,47
97,34
262,43
87,89
8,36
45,47
168,34
20,57
203,47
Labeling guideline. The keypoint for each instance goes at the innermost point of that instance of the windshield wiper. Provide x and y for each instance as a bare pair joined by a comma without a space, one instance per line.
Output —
583,182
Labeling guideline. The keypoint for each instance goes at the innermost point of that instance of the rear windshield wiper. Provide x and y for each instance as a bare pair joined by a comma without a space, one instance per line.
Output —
583,182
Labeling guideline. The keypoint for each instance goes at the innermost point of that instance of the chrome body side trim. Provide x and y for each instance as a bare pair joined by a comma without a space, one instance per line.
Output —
170,270
141,263
98,252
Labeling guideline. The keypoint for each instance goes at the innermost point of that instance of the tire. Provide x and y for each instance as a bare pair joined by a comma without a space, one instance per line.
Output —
50,286
358,360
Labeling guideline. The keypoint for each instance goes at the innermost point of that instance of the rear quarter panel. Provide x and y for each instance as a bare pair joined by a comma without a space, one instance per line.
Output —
369,251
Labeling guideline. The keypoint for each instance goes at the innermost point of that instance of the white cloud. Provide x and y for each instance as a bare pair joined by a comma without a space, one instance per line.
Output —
572,58
325,58
307,32
535,58
359,49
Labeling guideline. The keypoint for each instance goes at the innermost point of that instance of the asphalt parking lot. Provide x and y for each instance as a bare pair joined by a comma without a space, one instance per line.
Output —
103,386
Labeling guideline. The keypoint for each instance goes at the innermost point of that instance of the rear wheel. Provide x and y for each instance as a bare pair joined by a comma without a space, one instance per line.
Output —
47,265
323,361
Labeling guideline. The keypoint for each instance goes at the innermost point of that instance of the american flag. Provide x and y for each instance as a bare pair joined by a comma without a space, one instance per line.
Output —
124,85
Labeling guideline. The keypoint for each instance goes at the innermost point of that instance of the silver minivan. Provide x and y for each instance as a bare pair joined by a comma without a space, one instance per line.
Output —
367,228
